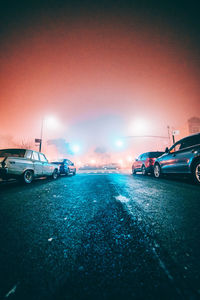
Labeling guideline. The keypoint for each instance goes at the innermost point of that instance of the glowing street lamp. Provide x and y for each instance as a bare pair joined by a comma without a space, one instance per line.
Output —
139,126
119,143
129,158
93,161
51,123
75,148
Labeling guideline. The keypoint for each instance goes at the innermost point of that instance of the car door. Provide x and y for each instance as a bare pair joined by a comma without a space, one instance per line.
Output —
168,161
46,167
37,164
184,154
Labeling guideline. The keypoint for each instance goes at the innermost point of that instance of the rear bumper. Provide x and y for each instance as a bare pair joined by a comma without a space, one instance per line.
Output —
3,173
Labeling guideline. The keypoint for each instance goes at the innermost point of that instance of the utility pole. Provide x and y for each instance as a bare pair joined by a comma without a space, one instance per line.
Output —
41,136
168,130
39,141
173,138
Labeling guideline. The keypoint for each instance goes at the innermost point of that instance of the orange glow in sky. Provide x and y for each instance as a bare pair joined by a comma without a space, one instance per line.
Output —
84,70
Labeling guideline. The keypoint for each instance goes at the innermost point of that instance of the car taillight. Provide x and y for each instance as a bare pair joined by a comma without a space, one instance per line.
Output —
4,163
150,161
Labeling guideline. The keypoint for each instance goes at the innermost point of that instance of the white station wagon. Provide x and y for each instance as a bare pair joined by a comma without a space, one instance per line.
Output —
25,165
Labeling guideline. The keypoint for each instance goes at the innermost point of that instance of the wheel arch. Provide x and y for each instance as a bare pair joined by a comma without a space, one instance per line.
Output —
29,169
157,163
195,160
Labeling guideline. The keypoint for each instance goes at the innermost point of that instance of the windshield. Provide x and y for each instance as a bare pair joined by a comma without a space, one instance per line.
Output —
12,152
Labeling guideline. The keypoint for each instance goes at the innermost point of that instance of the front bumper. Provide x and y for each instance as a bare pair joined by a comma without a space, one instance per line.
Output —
149,169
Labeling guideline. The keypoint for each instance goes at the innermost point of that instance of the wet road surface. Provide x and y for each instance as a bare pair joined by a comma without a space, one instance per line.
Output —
100,236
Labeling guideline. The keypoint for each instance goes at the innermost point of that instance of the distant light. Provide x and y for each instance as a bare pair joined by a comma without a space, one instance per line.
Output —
139,126
92,161
120,161
119,143
75,148
51,122
129,158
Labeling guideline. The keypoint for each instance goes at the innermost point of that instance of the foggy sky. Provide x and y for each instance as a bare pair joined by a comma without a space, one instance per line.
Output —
97,67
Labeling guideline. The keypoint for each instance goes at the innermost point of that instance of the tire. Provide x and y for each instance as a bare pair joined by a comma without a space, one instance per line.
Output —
27,177
196,172
55,174
144,171
74,173
67,172
157,171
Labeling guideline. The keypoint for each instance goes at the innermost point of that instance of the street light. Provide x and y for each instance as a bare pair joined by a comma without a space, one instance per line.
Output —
139,126
119,143
75,148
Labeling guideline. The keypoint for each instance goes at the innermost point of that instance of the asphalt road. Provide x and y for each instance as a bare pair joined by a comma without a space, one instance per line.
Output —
100,236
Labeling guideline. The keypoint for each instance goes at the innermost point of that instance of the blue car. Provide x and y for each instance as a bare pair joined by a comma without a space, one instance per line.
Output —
182,158
66,167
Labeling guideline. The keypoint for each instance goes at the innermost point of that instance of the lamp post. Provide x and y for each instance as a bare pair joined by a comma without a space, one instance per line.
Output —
41,135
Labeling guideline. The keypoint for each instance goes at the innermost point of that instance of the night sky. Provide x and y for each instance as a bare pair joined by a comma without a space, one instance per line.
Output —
97,66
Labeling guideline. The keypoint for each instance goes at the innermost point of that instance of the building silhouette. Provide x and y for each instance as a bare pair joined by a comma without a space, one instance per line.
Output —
193,125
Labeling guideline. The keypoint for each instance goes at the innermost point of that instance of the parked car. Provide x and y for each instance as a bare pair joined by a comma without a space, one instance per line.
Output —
145,162
66,167
25,165
182,158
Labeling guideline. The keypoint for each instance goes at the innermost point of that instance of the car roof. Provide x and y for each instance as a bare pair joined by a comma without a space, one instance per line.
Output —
189,136
152,152
13,149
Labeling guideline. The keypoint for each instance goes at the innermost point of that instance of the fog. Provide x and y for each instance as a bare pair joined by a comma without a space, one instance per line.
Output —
97,72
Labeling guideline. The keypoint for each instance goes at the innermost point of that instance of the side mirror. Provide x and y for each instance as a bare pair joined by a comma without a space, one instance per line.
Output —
136,159
166,150
72,164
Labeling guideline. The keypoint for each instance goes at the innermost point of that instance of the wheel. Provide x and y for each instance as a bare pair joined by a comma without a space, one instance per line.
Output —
55,174
144,171
196,172
67,172
74,173
27,176
157,171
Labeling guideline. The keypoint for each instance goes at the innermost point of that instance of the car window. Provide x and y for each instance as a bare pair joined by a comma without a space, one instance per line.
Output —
12,152
144,155
42,157
28,154
35,156
189,142
175,148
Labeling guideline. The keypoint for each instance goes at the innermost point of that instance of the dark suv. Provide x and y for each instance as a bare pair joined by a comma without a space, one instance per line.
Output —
182,158
144,163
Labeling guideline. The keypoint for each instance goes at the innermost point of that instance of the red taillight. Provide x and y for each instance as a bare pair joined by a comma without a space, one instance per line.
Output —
150,161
